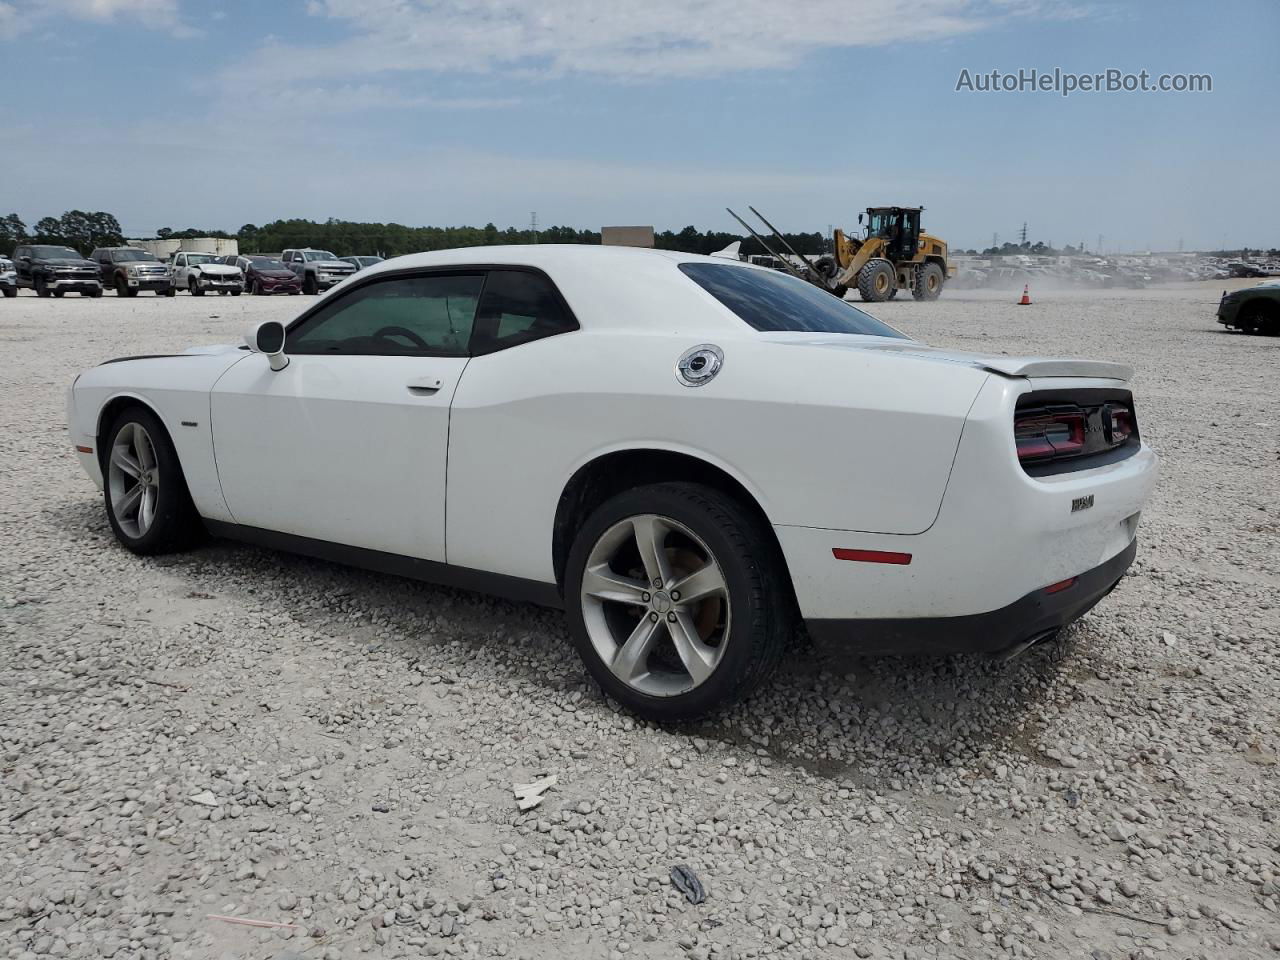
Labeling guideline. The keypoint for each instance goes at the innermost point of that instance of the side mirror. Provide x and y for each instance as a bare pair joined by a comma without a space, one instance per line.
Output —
267,338
859,218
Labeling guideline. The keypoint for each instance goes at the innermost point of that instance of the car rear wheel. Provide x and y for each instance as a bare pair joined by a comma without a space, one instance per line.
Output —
675,600
145,492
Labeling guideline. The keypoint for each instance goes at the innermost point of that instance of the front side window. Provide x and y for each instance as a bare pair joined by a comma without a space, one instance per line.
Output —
402,316
320,255
519,306
774,302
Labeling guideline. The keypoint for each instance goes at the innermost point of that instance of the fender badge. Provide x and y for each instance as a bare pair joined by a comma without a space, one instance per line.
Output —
1081,503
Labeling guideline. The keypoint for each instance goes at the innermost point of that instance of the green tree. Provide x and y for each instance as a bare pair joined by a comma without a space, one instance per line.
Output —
12,232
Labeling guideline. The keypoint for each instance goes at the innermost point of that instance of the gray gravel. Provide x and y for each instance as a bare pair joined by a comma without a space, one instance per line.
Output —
249,734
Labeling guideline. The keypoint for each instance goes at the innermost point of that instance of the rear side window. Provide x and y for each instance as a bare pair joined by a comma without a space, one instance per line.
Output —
518,307
776,302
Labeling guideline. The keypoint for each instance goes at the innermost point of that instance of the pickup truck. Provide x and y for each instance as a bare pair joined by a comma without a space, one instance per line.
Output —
201,272
53,269
317,269
128,270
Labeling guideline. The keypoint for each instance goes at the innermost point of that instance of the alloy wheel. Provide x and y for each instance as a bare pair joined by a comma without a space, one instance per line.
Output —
133,480
656,605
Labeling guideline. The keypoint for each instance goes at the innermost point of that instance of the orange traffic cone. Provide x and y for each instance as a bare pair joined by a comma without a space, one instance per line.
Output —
1026,296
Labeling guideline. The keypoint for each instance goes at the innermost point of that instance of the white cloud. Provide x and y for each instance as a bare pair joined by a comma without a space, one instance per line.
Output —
23,15
633,41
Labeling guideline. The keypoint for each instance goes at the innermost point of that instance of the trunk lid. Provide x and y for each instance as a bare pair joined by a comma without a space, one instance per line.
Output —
995,363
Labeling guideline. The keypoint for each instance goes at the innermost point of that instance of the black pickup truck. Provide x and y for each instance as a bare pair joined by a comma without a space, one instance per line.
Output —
50,269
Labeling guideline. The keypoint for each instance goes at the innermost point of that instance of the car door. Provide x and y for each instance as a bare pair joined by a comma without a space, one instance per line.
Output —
180,270
348,443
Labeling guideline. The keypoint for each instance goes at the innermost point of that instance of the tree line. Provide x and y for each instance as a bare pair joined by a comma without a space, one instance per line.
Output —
84,231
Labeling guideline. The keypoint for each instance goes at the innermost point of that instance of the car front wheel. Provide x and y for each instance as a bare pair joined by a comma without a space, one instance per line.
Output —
676,600
145,492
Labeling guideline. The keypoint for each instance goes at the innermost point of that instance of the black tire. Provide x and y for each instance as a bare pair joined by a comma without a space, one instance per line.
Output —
10,291
169,291
176,525
309,286
256,289
876,279
59,294
928,283
42,287
294,293
194,287
1256,320
236,293
840,291
760,606
96,292
122,288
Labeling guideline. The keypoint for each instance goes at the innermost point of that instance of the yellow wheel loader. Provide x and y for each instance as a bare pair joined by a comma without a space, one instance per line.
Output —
895,254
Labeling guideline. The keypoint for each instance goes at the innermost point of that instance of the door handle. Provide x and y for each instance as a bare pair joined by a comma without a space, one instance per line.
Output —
424,386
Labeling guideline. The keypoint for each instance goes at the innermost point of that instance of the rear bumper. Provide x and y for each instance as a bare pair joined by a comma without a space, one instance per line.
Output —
1038,613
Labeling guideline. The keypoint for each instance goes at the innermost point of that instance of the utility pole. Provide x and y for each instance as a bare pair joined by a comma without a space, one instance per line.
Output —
533,225
1024,233
1099,244
995,241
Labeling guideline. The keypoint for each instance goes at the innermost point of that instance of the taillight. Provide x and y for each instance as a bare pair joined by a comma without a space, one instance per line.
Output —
1049,433
1118,423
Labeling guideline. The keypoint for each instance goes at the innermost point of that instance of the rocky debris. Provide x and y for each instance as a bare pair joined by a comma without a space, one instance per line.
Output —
247,734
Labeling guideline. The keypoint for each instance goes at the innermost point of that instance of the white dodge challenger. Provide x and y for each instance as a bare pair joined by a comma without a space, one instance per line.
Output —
686,454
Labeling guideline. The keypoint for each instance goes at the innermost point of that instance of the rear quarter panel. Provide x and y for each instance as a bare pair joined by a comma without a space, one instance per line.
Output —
822,438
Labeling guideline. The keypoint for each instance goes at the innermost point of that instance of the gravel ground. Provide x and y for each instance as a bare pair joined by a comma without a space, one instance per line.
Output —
244,733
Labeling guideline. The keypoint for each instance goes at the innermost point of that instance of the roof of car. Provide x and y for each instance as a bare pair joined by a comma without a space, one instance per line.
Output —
548,256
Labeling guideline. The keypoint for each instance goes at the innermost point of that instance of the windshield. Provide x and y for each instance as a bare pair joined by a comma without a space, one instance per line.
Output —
129,256
54,253
771,301
194,258
368,261
318,255
267,263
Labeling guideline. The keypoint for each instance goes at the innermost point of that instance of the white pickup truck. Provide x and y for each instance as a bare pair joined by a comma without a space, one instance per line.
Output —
201,272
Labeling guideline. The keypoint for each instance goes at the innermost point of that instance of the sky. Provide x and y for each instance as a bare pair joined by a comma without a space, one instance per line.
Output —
590,112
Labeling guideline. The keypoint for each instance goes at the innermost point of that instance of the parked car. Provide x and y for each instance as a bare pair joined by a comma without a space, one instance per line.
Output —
317,269
682,458
263,275
8,279
1252,310
128,270
202,272
53,269
360,263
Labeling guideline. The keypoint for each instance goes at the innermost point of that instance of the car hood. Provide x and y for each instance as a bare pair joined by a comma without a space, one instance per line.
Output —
994,363
276,274
67,262
331,264
220,269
